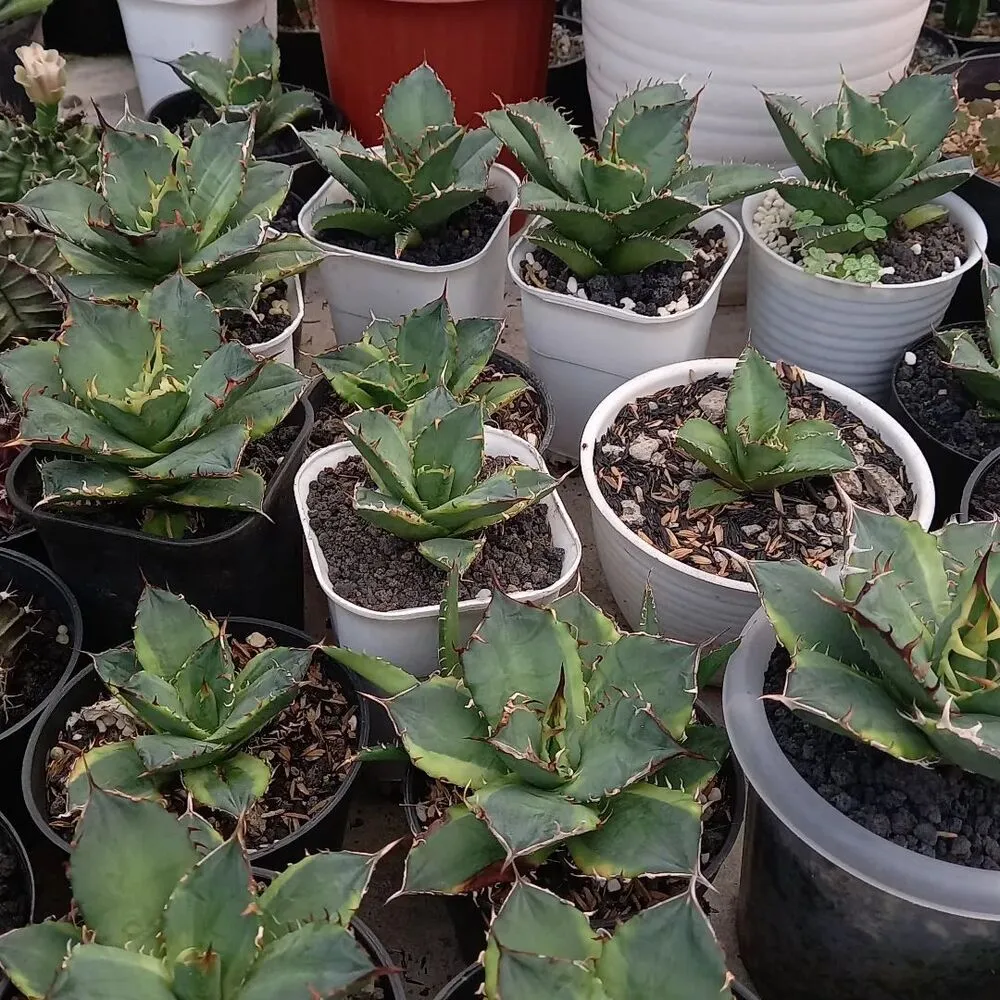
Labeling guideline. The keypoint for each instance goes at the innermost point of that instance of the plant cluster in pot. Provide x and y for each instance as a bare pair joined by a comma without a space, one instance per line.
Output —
426,213
972,26
694,469
872,757
262,734
387,512
624,274
395,364
859,251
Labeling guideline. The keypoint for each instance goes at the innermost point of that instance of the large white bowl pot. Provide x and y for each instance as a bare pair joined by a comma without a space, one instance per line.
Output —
691,604
849,332
281,348
358,285
583,350
409,637
797,47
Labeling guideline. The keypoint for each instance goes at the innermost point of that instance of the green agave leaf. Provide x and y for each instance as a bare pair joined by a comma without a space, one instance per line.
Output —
636,253
611,186
244,491
386,454
589,625
114,767
924,108
970,741
164,754
231,786
831,206
929,183
799,133
865,173
215,176
387,678
32,956
709,493
31,368
864,119
100,972
397,518
656,139
168,631
70,479
348,216
215,454
415,103
578,258
705,443
579,223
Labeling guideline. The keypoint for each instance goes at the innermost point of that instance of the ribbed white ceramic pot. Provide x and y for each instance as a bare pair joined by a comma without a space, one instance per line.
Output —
798,47
693,605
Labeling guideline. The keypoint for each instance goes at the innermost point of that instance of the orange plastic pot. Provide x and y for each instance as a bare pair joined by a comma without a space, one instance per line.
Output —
483,50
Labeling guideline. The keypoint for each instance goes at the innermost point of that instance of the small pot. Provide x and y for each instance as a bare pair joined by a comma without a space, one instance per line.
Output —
584,350
848,332
973,480
964,44
324,831
409,637
253,567
24,863
566,86
829,910
302,59
359,285
282,347
23,31
85,27
691,604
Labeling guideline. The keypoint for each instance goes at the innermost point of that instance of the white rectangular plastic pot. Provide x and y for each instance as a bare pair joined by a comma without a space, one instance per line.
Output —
691,604
849,332
583,350
282,348
159,30
360,285
409,637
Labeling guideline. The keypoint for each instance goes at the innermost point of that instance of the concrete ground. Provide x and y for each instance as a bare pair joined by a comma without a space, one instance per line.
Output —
418,931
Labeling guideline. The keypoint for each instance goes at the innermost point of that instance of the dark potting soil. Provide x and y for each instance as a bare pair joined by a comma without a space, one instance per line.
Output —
942,248
461,237
272,312
647,481
282,143
935,398
286,219
943,813
662,289
377,570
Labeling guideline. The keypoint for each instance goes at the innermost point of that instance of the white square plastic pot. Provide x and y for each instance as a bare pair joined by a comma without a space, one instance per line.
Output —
848,332
409,637
282,348
691,604
165,29
359,285
583,350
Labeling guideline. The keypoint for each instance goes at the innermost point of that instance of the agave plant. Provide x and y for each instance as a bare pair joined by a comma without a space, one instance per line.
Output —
395,364
248,84
161,204
179,679
903,652
541,947
867,161
32,153
759,449
426,469
429,169
158,410
551,722
624,207
167,910
31,304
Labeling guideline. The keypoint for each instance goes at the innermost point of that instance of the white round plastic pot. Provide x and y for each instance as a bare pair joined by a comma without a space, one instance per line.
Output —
409,637
282,348
691,604
797,47
358,285
849,332
165,29
583,350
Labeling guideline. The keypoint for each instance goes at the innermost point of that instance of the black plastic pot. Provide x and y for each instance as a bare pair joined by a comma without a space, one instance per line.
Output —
964,45
325,831
253,568
973,481
13,34
302,59
7,831
85,27
566,85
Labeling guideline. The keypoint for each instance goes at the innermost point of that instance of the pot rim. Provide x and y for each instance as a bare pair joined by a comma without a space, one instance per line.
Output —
661,378
982,467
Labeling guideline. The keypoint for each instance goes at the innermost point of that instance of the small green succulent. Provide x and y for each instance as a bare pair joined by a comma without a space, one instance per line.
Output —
31,303
395,364
863,268
429,169
167,910
622,208
759,449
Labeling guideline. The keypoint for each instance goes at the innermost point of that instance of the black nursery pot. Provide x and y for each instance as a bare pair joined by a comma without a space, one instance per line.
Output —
302,59
13,34
975,478
325,831
253,568
968,46
9,834
85,27
566,85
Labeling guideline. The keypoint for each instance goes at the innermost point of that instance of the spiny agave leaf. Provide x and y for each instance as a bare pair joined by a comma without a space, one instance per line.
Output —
131,167
326,146
386,192
476,153
425,411
710,493
153,421
589,625
115,767
831,206
70,480
203,684
578,258
415,103
257,702
347,215
244,491
705,443
665,214
521,739
977,373
449,553
494,396
99,972
815,448
863,119
265,188
283,662
799,134
168,631
612,187
423,343
387,677
649,622
705,750
265,402
437,168
164,754
189,326
393,516
31,368
204,74
386,454
756,403
430,211
218,258
970,741
731,181
216,176
64,208
32,956
29,306
924,107
215,454
656,140
454,556
710,663
475,342
627,107
155,702
926,185
635,254
455,443
865,173
284,109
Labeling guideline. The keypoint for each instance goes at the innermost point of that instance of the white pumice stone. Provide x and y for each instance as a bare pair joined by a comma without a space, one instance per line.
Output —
917,249
571,285
909,358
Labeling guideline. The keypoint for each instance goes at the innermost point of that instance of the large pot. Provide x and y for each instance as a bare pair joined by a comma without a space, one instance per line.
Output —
23,31
584,350
828,910
846,331
966,44
786,46
85,27
302,59
691,604
254,567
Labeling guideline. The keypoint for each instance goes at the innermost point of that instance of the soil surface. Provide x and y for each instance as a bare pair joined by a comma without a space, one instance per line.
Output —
281,143
929,52
375,569
272,313
461,237
286,219
647,481
659,290
984,504
15,900
975,135
942,813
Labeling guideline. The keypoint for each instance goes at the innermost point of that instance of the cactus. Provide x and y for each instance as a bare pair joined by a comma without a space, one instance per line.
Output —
961,17
167,910
31,304
163,205
551,721
12,10
396,364
902,653
623,208
159,410
430,168
866,162
247,84
759,449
